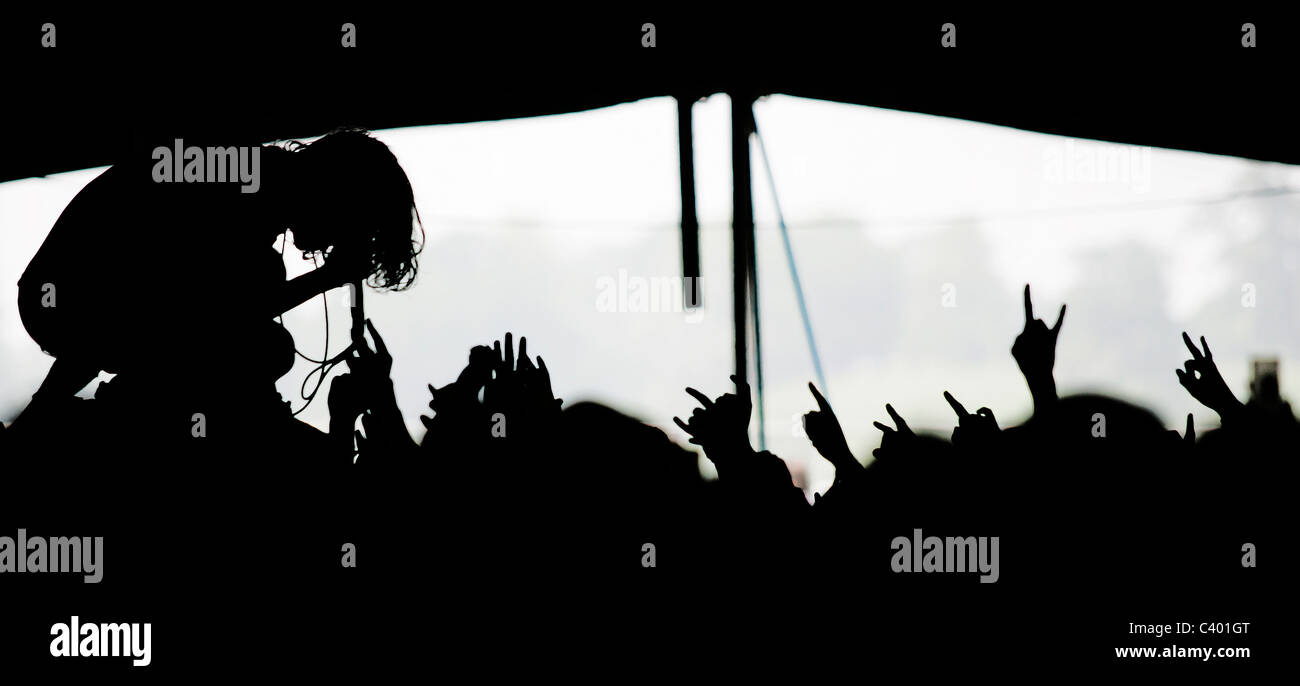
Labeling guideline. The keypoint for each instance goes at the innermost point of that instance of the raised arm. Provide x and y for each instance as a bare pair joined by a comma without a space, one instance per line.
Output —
1035,353
1201,377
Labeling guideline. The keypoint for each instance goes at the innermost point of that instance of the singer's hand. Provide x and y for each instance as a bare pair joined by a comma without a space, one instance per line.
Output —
374,366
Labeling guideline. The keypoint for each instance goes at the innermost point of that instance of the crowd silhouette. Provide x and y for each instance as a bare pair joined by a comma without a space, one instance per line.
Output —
498,422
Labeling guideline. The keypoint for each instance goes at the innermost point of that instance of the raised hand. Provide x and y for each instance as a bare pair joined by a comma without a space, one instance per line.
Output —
721,426
372,382
368,383
459,396
501,389
478,371
1187,440
823,429
1035,353
972,429
534,380
1201,377
439,403
895,441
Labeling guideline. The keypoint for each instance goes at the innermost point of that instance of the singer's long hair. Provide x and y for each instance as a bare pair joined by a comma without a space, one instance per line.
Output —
369,191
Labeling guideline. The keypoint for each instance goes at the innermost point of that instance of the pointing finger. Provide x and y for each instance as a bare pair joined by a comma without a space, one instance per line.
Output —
898,419
379,341
704,399
1187,341
821,401
956,406
741,386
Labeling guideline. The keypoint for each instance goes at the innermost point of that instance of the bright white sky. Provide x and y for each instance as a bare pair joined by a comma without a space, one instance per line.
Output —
526,217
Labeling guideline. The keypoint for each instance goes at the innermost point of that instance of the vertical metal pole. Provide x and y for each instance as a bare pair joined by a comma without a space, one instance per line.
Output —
744,283
742,226
756,324
691,294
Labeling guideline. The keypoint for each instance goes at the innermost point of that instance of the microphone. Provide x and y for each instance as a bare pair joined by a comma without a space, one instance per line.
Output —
357,298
